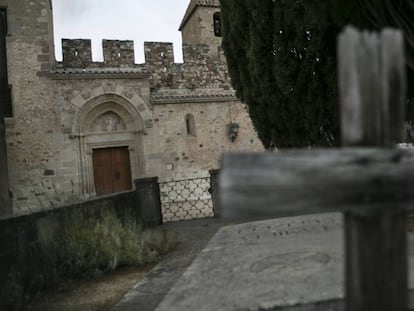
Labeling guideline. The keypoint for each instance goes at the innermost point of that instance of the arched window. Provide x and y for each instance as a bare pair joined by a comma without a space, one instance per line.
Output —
190,125
217,24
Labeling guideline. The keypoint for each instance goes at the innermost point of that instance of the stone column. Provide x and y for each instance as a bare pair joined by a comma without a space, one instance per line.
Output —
148,200
214,190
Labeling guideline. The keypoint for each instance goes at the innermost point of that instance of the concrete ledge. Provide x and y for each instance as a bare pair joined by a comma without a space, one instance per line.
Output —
290,264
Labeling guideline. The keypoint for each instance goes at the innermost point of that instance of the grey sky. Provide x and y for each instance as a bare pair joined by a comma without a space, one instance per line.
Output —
138,20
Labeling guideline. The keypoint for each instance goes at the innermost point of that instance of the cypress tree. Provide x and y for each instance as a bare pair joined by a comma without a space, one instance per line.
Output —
282,60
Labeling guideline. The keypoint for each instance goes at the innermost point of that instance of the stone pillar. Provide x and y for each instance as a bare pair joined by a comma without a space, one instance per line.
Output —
214,190
148,199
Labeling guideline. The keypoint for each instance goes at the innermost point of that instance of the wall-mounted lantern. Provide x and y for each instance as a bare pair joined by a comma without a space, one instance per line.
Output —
233,131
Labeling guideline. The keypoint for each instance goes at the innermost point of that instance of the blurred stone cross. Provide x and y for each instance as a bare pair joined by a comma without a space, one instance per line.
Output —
369,179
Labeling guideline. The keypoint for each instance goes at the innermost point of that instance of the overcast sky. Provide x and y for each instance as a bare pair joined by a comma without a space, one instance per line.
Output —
138,20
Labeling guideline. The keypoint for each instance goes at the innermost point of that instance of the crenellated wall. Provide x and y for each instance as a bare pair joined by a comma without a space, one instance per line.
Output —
202,67
77,53
199,70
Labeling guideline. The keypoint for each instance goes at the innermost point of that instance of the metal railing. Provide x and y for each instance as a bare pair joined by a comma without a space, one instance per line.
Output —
186,199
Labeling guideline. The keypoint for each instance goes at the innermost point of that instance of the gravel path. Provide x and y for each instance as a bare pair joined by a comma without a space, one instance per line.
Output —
192,236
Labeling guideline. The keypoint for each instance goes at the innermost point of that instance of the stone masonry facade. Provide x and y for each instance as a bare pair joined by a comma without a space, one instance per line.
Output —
174,119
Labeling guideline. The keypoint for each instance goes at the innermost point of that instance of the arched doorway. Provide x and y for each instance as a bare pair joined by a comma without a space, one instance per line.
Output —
109,130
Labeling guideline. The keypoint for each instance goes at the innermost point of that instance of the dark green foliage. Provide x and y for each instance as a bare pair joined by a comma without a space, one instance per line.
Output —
253,81
306,115
282,61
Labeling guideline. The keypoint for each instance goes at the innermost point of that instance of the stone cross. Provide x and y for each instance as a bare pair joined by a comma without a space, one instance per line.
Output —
367,180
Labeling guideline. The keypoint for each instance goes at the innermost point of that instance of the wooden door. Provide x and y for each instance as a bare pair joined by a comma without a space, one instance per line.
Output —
112,170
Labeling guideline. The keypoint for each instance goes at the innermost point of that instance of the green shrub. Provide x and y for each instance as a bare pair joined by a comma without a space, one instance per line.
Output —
92,248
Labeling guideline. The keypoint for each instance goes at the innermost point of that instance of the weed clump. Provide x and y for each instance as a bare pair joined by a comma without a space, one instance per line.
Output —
93,248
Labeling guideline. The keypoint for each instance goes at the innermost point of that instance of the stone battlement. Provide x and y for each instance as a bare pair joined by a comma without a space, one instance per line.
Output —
202,67
77,53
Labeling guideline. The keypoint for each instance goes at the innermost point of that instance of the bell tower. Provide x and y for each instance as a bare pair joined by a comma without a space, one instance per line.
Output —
201,24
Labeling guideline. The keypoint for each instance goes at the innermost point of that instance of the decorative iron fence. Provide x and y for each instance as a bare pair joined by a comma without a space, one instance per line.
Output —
186,199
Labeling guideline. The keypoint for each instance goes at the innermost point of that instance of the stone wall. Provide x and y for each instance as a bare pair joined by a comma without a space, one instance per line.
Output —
180,155
21,237
33,134
118,53
77,53
59,109
199,69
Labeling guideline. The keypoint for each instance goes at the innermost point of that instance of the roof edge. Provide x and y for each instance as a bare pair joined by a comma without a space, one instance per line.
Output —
193,5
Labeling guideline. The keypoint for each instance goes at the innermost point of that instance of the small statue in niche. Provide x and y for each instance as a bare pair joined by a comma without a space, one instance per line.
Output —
109,124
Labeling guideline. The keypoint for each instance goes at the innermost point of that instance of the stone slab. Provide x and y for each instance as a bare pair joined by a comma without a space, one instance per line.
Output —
267,265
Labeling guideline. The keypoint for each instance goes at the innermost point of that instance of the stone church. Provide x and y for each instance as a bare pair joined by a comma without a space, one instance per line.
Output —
76,129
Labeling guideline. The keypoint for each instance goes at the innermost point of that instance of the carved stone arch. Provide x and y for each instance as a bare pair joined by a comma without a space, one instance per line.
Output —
104,103
125,132
87,95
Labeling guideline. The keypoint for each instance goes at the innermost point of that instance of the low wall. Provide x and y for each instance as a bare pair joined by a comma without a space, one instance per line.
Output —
21,236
